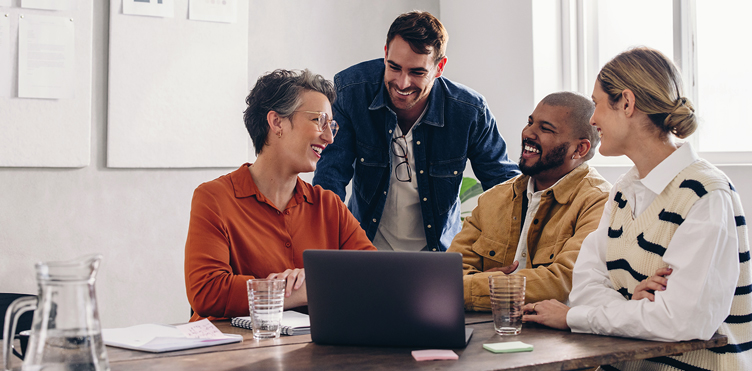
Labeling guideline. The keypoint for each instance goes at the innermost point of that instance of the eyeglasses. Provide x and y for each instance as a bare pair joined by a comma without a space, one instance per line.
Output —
400,150
324,121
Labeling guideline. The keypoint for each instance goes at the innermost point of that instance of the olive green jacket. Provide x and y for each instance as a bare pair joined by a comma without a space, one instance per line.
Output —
568,212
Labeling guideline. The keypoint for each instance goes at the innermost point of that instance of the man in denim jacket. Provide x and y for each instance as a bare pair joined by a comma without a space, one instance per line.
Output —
405,136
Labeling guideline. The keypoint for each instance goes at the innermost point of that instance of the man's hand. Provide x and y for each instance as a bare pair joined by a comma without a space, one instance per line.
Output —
551,313
506,270
295,279
648,287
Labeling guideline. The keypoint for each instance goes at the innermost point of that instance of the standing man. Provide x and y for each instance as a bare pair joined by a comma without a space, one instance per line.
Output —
405,136
534,225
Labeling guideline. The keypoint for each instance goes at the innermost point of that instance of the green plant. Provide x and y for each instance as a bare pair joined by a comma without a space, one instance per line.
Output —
469,189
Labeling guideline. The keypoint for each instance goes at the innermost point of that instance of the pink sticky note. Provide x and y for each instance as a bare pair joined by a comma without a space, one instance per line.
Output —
434,354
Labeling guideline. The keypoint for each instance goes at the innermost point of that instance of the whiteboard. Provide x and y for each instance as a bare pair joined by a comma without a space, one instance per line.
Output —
177,90
48,132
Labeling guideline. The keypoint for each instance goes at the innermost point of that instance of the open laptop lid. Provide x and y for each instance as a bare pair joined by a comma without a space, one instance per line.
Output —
385,298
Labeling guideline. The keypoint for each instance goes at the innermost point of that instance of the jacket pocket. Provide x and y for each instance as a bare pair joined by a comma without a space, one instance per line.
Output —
370,166
491,252
446,177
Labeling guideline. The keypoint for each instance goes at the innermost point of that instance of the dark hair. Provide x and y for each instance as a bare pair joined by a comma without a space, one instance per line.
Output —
422,31
657,85
280,91
582,109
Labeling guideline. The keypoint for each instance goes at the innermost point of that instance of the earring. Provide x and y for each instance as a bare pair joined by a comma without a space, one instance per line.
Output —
573,156
279,134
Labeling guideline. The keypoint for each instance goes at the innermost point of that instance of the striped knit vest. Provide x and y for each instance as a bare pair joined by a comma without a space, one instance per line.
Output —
635,250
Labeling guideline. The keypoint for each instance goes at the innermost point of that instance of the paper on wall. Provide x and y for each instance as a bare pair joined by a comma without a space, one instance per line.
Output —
213,10
5,66
153,8
49,4
46,59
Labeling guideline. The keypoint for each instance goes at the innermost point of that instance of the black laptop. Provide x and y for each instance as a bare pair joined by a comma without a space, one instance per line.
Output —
397,299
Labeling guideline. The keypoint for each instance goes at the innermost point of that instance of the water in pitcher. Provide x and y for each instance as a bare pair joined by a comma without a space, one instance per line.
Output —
69,350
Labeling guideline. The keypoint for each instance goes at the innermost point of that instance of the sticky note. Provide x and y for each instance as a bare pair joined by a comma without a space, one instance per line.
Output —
508,347
434,354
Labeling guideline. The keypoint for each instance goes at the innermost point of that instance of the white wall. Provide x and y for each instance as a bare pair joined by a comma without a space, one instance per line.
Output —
138,218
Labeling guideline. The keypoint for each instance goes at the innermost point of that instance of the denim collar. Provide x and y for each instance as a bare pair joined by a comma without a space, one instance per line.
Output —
434,115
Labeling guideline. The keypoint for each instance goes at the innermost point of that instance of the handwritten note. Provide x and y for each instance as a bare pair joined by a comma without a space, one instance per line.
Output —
201,330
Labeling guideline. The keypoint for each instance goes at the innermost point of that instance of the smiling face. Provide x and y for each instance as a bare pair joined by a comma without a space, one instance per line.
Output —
409,76
613,131
302,140
546,140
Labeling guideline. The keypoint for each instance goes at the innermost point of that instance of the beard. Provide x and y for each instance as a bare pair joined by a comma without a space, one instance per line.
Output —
552,160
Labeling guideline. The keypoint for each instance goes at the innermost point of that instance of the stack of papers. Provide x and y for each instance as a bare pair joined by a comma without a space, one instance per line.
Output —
164,338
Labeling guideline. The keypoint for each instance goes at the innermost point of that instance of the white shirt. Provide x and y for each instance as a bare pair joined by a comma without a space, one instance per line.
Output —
533,202
703,254
401,226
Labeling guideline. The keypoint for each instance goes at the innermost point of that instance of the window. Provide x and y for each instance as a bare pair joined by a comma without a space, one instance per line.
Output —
706,39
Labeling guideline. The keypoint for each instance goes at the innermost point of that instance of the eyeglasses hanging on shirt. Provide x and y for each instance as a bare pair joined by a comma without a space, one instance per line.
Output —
402,171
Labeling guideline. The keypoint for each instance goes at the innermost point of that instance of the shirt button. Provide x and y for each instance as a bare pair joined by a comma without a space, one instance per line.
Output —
514,218
429,226
390,131
278,212
287,212
418,142
455,173
551,257
287,244
535,221
434,249
524,255
362,159
421,171
374,220
425,199
384,192
492,253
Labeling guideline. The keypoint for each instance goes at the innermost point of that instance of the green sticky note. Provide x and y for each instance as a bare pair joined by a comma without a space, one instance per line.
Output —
508,347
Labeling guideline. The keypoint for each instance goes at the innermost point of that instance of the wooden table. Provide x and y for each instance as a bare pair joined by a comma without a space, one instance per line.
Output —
554,350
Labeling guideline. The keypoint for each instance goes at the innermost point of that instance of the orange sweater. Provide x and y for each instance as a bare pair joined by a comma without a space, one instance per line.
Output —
235,234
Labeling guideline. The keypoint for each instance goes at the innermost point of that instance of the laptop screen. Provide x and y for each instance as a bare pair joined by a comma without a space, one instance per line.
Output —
385,298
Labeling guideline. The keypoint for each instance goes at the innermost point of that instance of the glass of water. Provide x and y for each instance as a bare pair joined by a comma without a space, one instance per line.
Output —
507,299
266,298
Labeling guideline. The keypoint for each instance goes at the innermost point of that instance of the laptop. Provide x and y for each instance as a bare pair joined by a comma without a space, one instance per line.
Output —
385,298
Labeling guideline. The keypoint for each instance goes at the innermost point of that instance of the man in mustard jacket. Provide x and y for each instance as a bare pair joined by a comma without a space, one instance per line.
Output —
534,224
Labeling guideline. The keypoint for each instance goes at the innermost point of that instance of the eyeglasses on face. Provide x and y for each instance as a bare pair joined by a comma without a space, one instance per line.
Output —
323,122
403,168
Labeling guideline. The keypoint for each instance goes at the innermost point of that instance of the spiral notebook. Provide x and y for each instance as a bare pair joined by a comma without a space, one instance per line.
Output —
293,323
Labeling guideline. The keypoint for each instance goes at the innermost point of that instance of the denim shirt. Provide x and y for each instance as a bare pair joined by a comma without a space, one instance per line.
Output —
457,126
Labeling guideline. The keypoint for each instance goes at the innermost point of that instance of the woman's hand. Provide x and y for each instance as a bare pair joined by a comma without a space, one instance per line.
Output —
650,285
551,313
295,279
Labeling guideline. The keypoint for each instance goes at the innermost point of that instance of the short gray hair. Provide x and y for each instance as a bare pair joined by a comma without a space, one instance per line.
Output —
280,91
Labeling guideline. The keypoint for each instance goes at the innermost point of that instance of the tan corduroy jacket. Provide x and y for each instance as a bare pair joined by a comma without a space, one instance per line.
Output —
568,212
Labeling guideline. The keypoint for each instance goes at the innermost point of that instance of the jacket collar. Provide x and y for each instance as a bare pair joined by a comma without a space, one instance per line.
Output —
244,186
434,114
563,190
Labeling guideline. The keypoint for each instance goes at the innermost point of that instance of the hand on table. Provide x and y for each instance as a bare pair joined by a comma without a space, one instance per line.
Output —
506,270
551,313
648,287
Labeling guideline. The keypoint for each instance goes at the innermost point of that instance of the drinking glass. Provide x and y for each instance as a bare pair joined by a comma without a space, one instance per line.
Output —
507,299
266,298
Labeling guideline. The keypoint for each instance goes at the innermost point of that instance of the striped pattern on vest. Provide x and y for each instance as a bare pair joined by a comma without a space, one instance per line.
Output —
635,251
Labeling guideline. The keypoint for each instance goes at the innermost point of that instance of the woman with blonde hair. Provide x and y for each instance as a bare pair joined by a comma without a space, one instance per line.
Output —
670,258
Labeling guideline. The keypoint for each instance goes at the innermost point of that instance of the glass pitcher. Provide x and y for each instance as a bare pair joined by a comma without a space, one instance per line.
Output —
65,332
